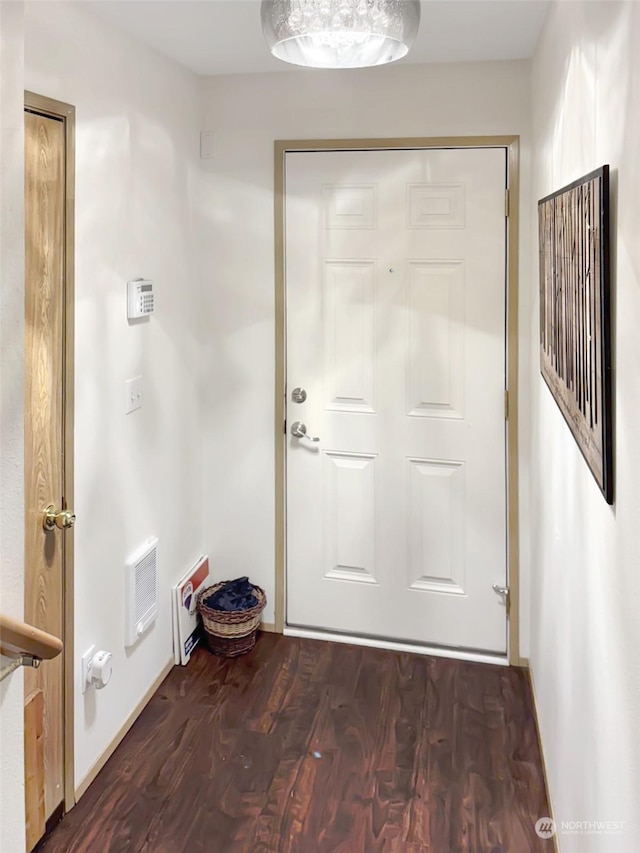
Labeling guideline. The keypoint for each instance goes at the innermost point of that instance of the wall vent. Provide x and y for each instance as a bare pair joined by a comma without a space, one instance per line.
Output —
141,591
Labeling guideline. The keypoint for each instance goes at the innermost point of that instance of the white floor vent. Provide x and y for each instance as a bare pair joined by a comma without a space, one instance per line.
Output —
141,591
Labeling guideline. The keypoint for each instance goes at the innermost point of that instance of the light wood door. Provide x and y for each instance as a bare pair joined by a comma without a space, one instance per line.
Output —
44,458
396,290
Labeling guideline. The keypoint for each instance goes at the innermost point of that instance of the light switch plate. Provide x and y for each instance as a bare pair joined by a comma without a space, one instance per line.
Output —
134,394
207,143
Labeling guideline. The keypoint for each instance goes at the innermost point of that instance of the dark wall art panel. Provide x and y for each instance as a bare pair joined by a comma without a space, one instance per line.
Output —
575,323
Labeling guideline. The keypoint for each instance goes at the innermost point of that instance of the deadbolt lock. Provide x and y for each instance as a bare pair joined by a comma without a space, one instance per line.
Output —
63,519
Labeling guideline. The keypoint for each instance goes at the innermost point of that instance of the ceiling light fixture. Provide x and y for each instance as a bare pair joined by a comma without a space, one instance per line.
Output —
340,33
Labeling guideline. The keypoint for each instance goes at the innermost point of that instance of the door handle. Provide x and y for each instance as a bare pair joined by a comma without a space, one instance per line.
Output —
299,430
63,518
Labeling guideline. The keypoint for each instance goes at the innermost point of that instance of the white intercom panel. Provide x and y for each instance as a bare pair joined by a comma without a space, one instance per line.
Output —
140,299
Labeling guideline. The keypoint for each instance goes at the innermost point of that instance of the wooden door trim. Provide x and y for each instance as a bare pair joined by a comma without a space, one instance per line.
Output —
66,113
512,145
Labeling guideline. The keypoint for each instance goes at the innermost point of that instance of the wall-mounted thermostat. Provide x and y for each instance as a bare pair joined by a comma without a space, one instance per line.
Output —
140,301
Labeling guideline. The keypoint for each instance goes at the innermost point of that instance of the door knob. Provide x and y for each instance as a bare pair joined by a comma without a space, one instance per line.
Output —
62,518
299,430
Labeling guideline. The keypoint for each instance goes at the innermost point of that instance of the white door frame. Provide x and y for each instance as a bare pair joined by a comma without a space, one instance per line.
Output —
512,145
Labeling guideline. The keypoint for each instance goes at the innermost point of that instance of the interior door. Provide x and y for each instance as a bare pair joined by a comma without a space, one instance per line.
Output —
44,460
396,283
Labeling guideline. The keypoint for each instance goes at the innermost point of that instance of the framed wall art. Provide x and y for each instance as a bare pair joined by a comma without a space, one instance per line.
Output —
575,322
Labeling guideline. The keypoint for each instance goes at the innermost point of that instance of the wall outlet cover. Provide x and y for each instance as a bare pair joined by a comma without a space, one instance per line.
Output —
87,657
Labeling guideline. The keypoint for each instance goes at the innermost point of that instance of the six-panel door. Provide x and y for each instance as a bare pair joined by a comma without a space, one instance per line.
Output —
395,282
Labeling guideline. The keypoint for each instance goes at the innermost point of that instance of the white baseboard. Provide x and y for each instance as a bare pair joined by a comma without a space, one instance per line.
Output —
375,643
556,843
269,627
97,766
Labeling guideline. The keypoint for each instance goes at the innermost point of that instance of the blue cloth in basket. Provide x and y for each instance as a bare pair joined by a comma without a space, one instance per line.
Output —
233,596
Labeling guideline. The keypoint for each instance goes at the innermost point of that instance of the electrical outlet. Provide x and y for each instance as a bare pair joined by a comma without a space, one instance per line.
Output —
87,657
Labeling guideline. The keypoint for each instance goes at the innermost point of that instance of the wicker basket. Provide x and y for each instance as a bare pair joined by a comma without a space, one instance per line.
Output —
230,633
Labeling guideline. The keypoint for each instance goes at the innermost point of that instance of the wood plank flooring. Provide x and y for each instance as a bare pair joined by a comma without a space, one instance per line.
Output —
303,746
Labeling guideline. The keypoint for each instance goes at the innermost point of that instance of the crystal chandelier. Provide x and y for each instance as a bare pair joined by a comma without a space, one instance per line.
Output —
340,33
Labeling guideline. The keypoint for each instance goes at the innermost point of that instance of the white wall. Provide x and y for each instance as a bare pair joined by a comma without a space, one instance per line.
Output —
584,554
136,475
247,113
11,411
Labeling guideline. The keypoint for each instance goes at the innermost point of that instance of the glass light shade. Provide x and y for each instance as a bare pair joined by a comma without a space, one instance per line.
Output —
340,33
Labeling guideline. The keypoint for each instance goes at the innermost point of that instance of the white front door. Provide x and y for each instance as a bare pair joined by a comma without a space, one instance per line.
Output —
395,283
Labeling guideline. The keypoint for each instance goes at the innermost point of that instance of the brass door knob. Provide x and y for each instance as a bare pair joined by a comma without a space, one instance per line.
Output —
62,518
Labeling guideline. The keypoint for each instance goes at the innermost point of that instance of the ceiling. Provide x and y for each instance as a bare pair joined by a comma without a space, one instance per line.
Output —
225,36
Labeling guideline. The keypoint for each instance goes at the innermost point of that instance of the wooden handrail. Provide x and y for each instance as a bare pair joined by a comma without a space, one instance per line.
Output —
17,639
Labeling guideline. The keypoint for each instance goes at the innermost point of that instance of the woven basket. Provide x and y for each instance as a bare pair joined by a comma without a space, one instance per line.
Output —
230,633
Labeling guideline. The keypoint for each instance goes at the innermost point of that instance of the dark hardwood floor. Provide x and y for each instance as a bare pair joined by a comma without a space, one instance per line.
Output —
310,747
